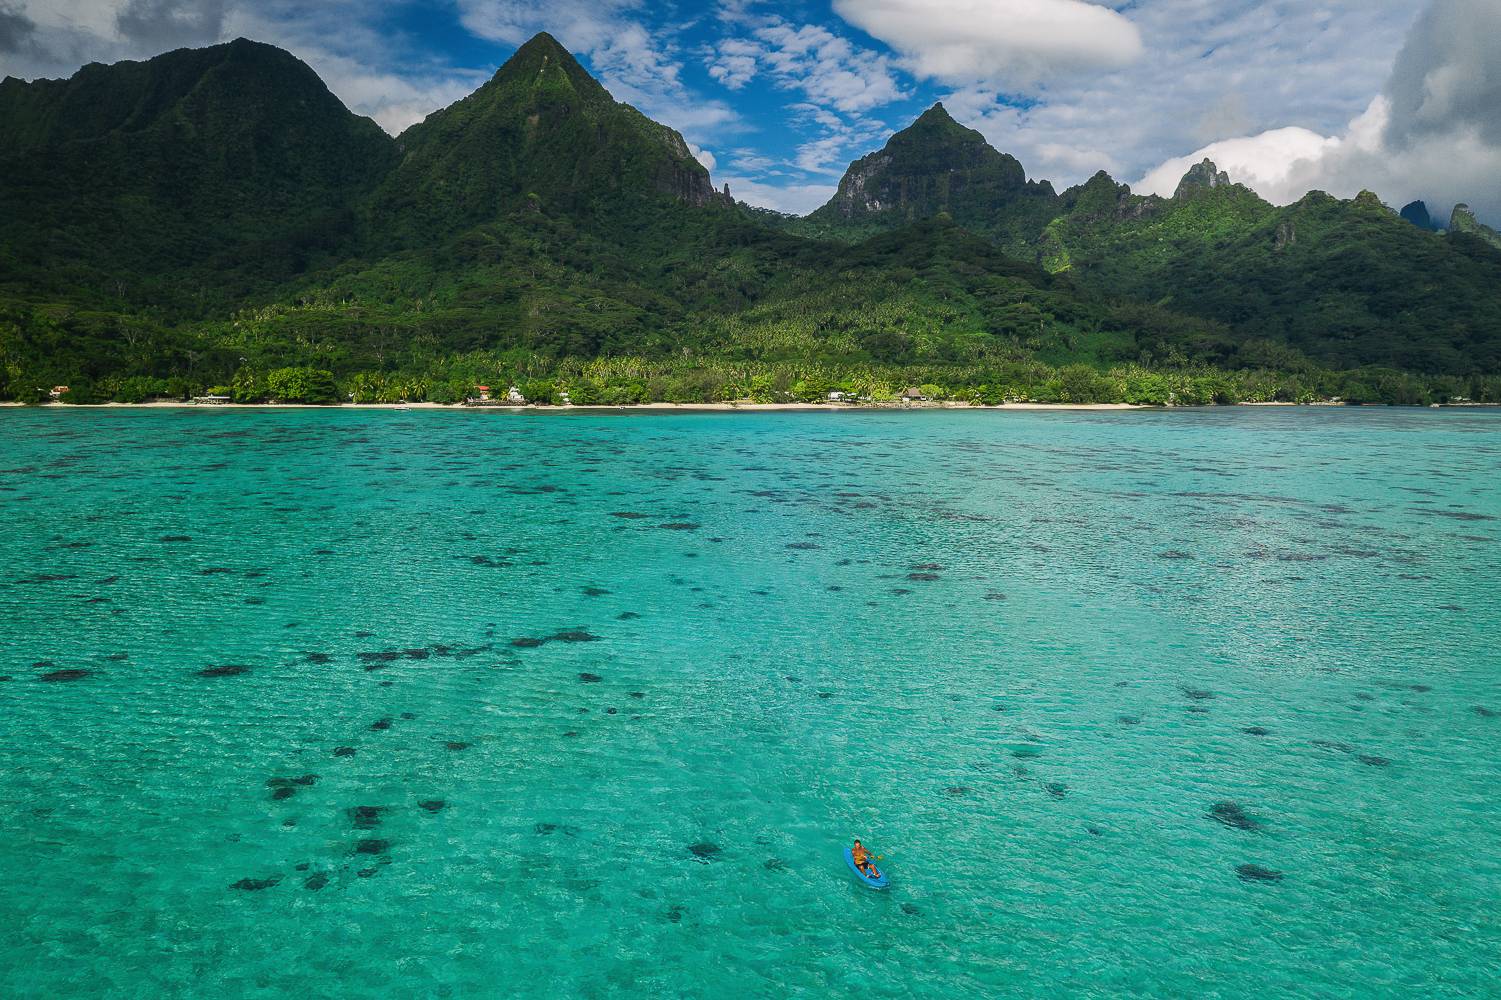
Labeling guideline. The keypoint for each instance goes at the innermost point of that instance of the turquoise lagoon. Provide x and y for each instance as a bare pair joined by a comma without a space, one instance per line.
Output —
431,703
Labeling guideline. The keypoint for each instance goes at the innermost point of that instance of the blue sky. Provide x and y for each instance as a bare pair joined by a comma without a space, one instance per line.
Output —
1401,96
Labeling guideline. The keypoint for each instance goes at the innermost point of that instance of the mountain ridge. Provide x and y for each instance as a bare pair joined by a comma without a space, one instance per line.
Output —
222,213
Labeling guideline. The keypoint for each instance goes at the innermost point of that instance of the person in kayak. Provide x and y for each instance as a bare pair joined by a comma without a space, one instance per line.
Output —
862,860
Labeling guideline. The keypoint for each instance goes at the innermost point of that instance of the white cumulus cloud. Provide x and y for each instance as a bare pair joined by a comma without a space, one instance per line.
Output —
1434,133
1022,41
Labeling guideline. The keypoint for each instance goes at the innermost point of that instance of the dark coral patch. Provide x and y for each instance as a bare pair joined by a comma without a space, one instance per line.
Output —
1232,815
1256,731
379,725
1256,873
344,751
527,642
316,882
595,592
256,884
366,817
456,745
1197,694
929,577
704,850
804,546
1372,760
589,678
956,791
372,845
1485,713
680,526
574,635
176,538
432,805
224,670
69,674
373,659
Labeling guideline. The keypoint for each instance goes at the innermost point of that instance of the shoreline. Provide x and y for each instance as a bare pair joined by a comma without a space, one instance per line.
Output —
746,407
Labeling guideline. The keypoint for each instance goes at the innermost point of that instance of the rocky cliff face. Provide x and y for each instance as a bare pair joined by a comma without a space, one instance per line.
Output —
1202,176
936,165
939,167
1416,212
681,176
1463,221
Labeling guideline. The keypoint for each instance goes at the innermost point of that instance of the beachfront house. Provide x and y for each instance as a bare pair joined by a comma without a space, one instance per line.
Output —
58,391
482,393
838,397
913,395
514,397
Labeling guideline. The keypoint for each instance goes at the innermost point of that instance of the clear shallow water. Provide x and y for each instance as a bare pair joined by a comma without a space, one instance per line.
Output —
1034,738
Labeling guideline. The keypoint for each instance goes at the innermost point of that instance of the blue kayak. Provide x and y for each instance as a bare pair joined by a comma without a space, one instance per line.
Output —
879,882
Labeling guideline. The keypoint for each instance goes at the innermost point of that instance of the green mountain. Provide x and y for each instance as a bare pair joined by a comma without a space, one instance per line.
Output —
1347,283
937,166
216,217
189,179
541,135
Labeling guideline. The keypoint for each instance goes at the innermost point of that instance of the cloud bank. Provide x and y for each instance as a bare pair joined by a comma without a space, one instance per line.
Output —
1022,41
1434,133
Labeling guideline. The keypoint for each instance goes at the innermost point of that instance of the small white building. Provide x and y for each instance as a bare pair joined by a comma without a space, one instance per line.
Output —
838,397
514,397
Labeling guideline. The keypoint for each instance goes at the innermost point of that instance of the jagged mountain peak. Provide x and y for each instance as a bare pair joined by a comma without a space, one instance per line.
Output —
1202,176
935,166
936,114
1463,221
1416,212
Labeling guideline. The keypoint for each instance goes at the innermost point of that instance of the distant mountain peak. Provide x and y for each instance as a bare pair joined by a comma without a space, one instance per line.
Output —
1463,221
937,113
543,63
1202,176
934,166
1416,212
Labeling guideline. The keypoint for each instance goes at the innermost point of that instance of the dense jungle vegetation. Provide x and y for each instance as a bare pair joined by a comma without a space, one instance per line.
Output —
214,220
